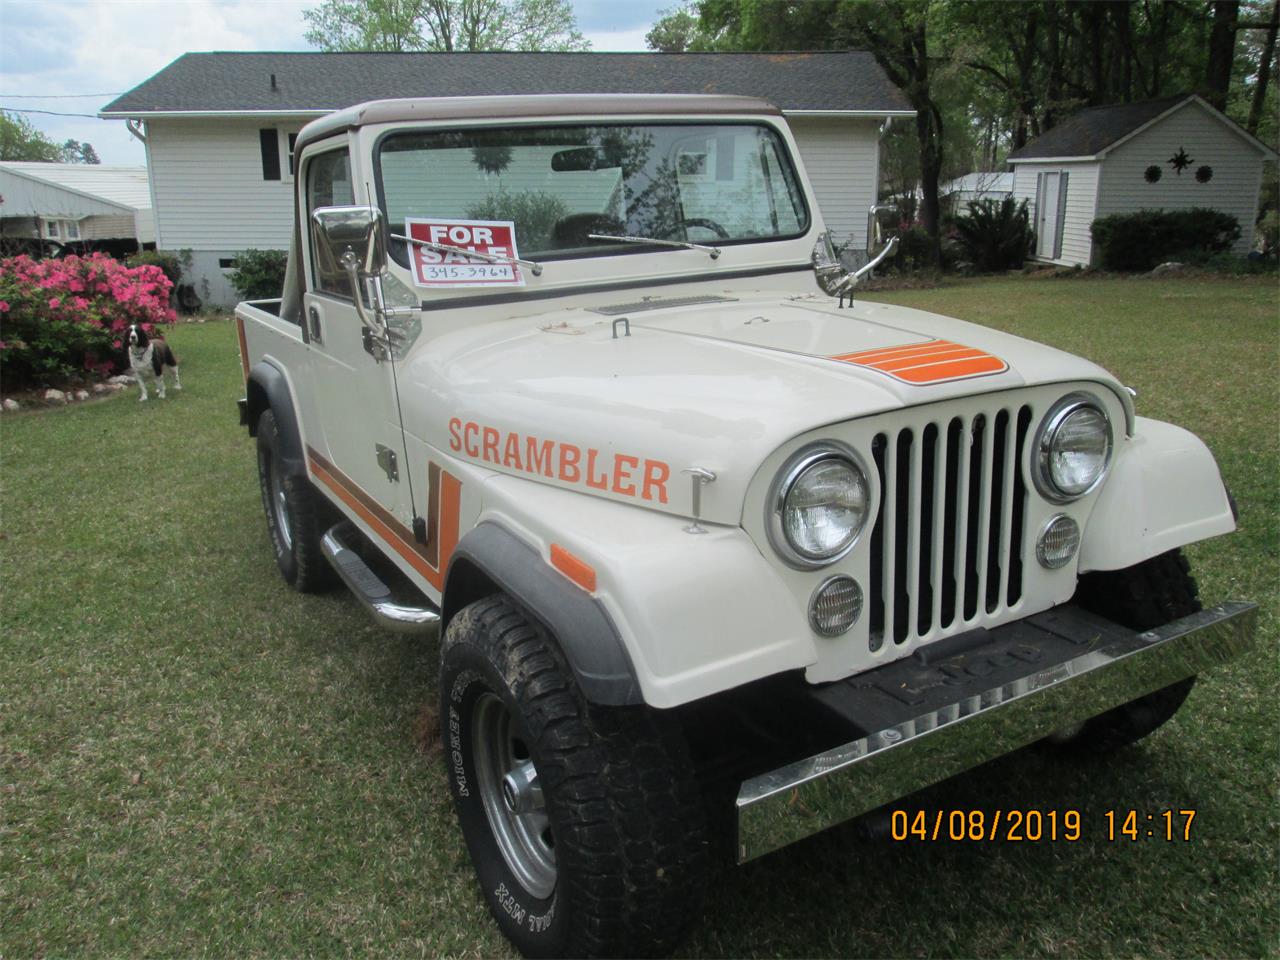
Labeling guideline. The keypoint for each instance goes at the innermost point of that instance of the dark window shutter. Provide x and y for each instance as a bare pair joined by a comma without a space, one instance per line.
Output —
1062,214
270,153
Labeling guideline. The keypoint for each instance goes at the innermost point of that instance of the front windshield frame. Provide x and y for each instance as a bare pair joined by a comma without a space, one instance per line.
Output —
398,249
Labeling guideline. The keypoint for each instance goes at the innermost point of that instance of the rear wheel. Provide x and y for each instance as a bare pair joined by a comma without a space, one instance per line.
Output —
1142,597
297,515
584,823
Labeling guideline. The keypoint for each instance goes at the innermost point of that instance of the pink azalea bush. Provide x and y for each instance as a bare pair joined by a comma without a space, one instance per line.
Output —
60,316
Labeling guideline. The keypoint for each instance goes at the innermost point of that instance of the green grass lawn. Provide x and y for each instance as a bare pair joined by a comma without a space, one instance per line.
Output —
195,760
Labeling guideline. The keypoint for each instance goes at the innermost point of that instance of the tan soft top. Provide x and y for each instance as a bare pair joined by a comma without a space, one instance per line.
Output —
507,108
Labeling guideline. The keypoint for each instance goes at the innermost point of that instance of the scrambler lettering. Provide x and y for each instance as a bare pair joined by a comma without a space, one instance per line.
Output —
620,473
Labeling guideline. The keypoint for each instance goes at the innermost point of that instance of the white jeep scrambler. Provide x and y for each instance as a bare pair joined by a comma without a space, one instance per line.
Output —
719,556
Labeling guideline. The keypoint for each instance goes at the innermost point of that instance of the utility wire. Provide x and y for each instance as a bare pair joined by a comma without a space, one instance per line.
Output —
54,96
49,113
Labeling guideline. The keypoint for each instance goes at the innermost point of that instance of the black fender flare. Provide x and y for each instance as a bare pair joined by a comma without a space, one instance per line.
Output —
268,389
490,557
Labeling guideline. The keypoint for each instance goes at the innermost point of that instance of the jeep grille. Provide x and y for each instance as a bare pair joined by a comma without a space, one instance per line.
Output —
947,545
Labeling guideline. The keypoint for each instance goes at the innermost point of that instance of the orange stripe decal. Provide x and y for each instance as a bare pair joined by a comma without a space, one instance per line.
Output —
244,349
390,530
450,509
921,359
953,370
886,353
575,568
933,361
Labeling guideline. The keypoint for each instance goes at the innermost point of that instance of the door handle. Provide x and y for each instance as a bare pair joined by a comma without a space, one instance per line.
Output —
313,314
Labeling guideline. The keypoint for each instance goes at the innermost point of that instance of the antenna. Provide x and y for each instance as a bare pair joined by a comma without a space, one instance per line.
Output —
380,308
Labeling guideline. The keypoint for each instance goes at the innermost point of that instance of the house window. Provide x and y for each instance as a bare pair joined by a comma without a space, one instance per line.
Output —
277,147
288,141
71,230
51,230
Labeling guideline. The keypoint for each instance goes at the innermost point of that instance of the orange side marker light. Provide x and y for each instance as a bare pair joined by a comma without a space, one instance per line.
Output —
576,569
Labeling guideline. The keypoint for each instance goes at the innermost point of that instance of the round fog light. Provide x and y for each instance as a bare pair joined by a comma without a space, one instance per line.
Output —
1058,542
835,606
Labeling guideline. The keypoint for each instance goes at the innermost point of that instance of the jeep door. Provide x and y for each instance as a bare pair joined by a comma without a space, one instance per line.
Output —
352,390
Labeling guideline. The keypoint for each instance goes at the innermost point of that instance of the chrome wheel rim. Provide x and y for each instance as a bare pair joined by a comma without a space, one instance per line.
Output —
280,505
512,797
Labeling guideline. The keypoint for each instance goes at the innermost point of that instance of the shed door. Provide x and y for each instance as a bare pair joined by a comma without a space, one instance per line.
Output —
1048,215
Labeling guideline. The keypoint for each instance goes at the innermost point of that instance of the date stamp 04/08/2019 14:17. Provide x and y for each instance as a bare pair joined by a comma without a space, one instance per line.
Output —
1033,826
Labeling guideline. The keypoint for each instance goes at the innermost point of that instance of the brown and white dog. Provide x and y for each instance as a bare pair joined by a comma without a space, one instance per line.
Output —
148,356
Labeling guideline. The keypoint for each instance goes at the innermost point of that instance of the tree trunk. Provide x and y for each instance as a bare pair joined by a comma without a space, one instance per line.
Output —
1095,23
929,134
1222,48
1054,89
1120,14
1264,71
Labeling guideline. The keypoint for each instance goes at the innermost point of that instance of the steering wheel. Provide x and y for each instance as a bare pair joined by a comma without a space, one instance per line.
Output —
703,222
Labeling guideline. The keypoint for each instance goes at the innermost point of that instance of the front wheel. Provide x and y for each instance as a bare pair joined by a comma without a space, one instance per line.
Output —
1142,597
583,823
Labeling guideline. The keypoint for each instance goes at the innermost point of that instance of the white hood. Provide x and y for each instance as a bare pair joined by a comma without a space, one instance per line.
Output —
718,385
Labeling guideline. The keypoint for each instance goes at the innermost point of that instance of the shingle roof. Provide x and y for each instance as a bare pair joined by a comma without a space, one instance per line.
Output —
242,82
1092,130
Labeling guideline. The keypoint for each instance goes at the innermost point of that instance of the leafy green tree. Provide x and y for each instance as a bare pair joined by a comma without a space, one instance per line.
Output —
443,25
73,151
20,140
901,34
676,31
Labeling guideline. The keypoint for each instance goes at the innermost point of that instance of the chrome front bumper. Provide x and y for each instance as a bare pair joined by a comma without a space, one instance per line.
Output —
802,798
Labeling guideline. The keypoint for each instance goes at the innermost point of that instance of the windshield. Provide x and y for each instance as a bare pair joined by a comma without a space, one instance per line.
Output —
705,183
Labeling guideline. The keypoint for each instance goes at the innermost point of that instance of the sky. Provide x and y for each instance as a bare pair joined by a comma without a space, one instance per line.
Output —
75,56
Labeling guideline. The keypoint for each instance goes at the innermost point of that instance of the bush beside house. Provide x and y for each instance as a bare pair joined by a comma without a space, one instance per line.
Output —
995,234
259,274
1143,240
59,317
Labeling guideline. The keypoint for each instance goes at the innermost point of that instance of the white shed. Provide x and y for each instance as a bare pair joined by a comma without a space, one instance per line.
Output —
219,127
1169,154
74,203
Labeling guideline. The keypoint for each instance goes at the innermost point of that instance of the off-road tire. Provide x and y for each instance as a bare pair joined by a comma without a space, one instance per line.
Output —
1147,595
620,796
297,516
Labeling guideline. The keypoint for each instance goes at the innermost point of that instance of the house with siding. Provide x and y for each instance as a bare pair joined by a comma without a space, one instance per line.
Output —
1167,154
219,128
76,205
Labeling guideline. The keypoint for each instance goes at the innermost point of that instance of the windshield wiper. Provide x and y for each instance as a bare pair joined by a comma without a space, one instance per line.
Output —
682,244
534,268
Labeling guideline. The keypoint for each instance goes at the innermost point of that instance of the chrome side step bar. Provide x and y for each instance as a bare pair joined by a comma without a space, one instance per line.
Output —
810,795
369,588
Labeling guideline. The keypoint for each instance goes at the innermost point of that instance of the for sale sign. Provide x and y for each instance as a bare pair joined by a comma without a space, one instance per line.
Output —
446,268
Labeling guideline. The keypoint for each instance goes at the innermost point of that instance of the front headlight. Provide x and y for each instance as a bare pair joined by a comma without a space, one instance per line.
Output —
1073,448
818,506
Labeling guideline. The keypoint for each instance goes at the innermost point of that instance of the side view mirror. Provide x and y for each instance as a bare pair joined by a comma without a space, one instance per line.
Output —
875,235
355,237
